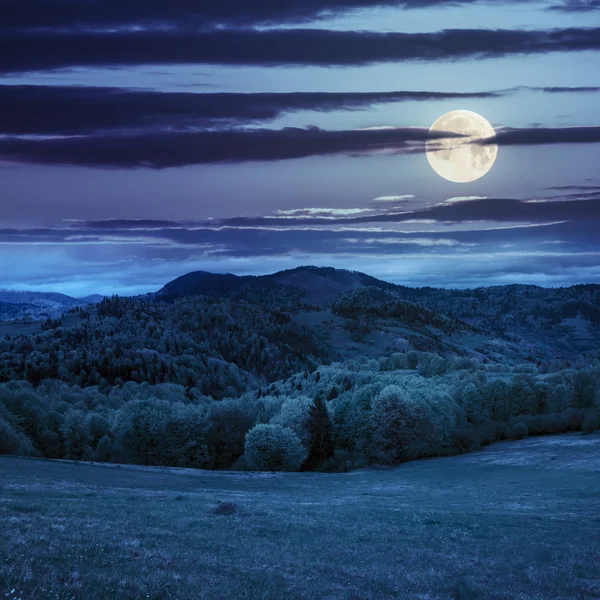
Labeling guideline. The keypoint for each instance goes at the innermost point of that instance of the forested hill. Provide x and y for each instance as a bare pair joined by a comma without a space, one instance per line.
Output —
317,285
558,321
183,376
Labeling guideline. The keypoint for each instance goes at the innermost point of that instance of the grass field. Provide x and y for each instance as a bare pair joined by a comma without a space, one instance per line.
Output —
517,520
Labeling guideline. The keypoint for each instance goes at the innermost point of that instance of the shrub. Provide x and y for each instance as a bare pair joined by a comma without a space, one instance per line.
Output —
590,423
105,450
13,441
575,418
465,438
343,461
294,414
520,431
273,448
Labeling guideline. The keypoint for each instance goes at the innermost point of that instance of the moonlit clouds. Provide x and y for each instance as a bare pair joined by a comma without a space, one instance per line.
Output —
456,247
394,199
191,135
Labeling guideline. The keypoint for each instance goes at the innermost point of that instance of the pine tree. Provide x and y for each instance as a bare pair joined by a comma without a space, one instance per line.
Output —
321,438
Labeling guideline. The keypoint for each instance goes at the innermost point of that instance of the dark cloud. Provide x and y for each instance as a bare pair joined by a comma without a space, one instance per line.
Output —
122,256
165,149
575,187
31,109
72,110
546,135
174,149
257,240
500,210
20,52
75,14
567,90
576,6
118,224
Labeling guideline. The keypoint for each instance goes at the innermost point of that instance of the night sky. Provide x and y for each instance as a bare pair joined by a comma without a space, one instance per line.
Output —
143,139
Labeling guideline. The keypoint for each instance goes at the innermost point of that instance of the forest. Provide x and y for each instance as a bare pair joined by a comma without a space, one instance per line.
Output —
240,381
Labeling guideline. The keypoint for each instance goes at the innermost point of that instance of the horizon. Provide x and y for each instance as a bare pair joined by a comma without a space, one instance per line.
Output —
137,144
159,286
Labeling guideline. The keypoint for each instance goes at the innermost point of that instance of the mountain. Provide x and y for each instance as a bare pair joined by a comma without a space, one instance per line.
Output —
544,322
91,299
24,305
316,285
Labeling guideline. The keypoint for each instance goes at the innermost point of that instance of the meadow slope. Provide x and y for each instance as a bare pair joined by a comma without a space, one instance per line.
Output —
516,520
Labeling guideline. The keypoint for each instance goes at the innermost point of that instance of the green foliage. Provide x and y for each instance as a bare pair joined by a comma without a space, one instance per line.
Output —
157,432
76,435
227,428
363,305
221,347
319,427
590,423
13,441
273,448
519,431
466,438
105,451
397,422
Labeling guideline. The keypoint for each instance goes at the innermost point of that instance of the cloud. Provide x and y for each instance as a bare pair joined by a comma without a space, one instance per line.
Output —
30,109
166,149
566,90
162,149
109,14
116,256
393,198
544,135
455,199
576,6
326,213
575,187
497,210
41,50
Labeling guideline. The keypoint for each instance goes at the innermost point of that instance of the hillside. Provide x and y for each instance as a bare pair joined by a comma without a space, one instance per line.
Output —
181,380
515,520
315,285
518,321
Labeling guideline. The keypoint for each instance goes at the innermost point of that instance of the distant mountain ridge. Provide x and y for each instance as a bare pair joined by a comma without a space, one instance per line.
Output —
319,285
565,319
26,305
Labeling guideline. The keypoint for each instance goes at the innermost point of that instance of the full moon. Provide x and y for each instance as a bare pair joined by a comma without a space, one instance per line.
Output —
457,159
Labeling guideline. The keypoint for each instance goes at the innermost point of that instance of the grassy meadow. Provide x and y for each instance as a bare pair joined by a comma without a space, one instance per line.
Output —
516,520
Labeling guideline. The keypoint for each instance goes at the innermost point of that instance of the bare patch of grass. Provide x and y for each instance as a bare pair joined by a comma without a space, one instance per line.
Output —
226,508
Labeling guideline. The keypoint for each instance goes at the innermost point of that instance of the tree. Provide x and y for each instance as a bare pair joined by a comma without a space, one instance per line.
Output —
140,429
273,448
228,426
397,422
76,434
320,430
13,441
105,450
